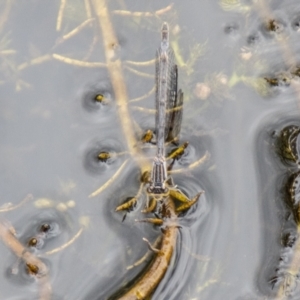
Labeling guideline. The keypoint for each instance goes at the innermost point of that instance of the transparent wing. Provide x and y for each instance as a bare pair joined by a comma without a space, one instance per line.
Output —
176,108
166,94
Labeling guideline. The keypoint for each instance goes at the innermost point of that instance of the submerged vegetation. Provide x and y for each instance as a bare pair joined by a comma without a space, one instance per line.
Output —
286,278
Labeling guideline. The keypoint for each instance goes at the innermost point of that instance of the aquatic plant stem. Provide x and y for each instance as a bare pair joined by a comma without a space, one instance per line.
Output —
147,283
5,13
115,70
60,14
143,13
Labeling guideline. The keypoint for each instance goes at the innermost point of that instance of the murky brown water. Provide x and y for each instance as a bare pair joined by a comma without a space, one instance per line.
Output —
237,65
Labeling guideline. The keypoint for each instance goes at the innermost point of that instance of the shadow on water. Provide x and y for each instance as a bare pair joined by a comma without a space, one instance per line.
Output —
62,141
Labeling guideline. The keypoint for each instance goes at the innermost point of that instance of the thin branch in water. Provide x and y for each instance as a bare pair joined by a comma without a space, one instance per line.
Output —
45,289
115,71
35,61
78,63
196,256
12,207
152,248
67,244
91,48
8,52
144,96
141,63
142,74
143,258
76,30
5,13
137,128
145,110
195,164
60,14
110,181
142,13
88,8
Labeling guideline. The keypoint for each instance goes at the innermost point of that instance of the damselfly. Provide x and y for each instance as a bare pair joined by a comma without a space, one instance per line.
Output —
168,109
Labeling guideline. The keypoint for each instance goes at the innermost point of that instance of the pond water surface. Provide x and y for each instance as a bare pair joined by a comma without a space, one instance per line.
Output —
237,63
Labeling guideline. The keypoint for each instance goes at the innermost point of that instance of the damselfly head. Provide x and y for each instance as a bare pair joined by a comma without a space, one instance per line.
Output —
165,32
158,192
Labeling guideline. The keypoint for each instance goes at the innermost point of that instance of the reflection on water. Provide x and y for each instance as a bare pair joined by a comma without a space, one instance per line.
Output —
62,140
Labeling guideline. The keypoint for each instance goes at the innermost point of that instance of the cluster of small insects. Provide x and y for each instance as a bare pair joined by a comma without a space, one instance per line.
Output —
37,242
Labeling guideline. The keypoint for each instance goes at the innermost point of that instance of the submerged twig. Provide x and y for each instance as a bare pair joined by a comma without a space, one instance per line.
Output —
139,73
60,14
88,8
35,61
144,96
76,30
141,63
147,254
67,244
110,181
142,13
145,110
197,163
78,63
115,71
5,13
12,207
